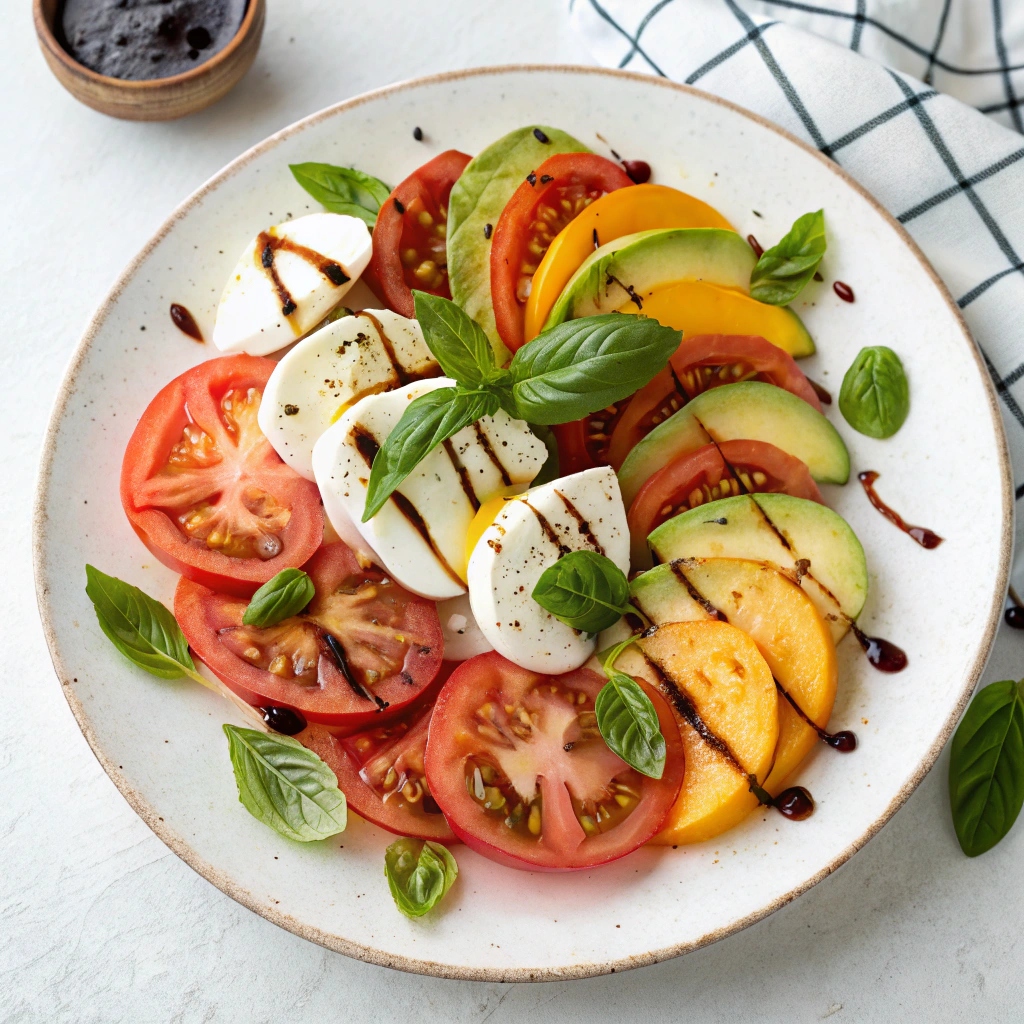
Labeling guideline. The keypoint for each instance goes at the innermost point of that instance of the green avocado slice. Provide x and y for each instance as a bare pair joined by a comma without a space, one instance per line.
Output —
477,199
782,530
752,411
630,267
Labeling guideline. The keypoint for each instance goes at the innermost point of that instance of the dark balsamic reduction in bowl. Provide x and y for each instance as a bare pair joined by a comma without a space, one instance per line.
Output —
146,39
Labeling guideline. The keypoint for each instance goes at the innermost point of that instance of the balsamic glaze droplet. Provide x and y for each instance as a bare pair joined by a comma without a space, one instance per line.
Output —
845,742
638,171
185,322
284,720
926,538
843,290
755,245
1014,617
882,654
795,803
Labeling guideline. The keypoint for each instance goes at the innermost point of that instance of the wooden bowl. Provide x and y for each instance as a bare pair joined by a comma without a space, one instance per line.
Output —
157,99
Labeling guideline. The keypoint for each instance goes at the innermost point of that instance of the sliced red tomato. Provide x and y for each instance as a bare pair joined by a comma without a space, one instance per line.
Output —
362,652
562,187
717,471
516,762
204,489
381,773
409,239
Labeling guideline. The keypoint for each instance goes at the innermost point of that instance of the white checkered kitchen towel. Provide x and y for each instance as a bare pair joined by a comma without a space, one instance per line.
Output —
952,175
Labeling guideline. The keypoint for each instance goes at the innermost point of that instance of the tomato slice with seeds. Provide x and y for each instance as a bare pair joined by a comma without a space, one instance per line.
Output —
410,236
714,471
702,362
205,490
516,762
561,188
381,773
363,651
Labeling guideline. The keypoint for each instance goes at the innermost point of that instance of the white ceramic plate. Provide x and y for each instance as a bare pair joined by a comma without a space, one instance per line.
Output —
161,742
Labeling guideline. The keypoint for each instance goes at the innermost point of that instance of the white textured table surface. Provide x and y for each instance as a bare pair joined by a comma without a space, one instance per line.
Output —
98,920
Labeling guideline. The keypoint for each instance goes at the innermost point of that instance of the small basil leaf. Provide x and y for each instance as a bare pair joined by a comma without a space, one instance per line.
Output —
419,874
286,786
986,767
784,269
285,595
875,396
427,422
580,366
629,724
585,590
141,628
458,342
343,189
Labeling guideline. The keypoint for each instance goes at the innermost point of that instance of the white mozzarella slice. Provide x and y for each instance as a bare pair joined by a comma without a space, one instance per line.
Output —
529,534
463,637
420,535
330,370
315,260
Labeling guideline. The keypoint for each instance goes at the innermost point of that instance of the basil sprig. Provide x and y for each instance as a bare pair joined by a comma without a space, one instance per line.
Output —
784,269
141,628
286,786
564,374
986,767
875,396
285,595
627,718
343,189
419,874
585,590
580,366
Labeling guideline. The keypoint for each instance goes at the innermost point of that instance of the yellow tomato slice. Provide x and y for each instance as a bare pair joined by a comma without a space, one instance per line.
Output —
637,208
485,515
696,307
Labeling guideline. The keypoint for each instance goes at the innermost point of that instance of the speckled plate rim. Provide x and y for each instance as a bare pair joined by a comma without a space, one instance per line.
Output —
411,964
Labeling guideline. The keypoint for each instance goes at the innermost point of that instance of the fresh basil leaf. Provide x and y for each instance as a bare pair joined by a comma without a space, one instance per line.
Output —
580,366
585,590
286,786
141,628
784,269
343,189
986,767
419,874
285,595
551,470
610,655
629,724
875,396
429,420
457,341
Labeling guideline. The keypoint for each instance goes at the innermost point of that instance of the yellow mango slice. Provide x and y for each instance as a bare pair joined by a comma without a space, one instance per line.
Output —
619,213
696,307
